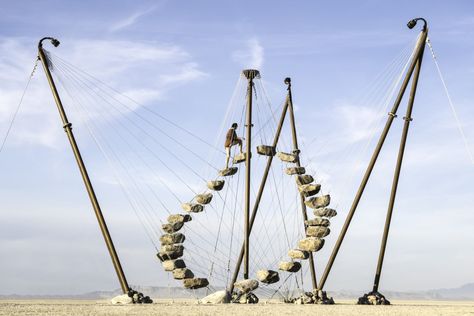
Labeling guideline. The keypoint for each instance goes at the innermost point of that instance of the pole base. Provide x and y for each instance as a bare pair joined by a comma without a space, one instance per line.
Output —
373,298
139,298
244,298
315,297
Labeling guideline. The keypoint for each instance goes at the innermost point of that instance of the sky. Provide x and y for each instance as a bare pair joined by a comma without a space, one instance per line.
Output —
183,59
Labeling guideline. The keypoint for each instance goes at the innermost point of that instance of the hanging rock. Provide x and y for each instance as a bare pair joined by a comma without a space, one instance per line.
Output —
309,189
195,283
192,207
172,248
172,228
266,150
182,273
298,254
228,171
268,276
216,185
204,198
122,299
304,179
289,266
170,255
325,212
179,218
317,221
246,285
218,297
317,231
312,244
318,201
170,265
169,239
239,158
295,170
286,157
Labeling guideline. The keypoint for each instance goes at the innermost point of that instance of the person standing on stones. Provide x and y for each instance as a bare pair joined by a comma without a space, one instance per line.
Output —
231,139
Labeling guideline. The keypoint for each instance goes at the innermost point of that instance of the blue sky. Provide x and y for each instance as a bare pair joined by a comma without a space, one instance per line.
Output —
183,59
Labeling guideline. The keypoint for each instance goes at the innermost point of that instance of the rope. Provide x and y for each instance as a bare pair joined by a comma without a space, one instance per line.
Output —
451,104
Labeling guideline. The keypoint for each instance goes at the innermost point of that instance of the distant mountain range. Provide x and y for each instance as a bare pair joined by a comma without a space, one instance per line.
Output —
465,292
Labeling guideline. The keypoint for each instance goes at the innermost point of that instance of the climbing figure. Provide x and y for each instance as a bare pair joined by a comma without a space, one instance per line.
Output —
231,139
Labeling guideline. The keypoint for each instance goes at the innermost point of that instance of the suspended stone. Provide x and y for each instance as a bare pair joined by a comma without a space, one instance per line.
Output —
216,185
195,283
179,218
298,254
325,212
182,273
309,189
172,228
304,179
218,297
318,201
266,150
312,244
246,286
228,171
172,248
289,266
268,276
170,255
204,198
192,207
295,170
239,158
169,239
317,231
170,265
317,221
286,157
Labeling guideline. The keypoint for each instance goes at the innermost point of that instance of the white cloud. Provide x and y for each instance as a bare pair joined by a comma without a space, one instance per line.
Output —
252,56
130,20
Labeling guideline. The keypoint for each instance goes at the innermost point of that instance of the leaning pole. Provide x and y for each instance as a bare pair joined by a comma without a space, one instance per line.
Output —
138,297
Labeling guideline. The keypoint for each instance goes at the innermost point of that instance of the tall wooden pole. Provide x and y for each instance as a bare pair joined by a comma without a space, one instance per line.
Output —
82,168
298,164
391,116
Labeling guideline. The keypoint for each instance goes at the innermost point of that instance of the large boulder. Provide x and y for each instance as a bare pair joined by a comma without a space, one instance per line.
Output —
122,300
298,254
228,171
309,189
195,283
289,266
204,198
325,212
266,150
172,227
182,273
311,244
216,185
218,297
295,170
317,221
268,276
239,158
286,157
179,218
317,231
170,265
192,207
318,201
169,239
304,179
246,298
246,285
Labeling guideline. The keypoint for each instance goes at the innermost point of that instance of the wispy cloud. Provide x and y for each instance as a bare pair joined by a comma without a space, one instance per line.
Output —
252,56
130,20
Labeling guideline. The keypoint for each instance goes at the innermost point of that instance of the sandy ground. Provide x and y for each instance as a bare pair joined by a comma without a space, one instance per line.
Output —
166,307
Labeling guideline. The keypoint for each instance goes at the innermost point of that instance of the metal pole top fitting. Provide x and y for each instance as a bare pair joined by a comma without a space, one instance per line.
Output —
54,41
411,24
251,74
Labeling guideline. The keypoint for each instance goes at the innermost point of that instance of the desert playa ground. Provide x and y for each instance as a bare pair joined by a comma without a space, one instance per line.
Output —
166,307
